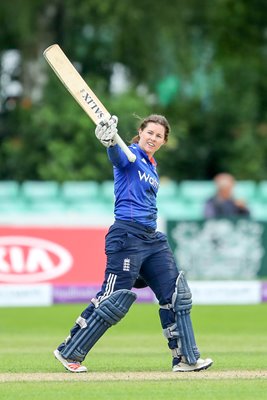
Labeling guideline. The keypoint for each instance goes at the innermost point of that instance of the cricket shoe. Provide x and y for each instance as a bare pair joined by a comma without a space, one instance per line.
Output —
185,367
70,365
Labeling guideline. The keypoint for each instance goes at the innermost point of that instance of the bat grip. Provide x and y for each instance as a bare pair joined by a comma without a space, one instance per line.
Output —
131,156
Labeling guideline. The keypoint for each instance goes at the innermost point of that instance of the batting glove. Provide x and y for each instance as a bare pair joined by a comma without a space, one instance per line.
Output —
106,130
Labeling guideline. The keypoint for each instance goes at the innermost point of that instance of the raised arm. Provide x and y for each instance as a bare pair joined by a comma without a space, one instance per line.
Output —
107,133
117,157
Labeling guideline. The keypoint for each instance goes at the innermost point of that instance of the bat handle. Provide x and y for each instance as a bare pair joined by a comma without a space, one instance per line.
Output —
131,156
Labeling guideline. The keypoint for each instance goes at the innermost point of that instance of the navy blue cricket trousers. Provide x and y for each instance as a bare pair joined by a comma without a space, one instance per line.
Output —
133,249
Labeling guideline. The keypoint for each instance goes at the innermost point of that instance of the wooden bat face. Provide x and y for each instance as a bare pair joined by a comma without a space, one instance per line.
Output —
80,91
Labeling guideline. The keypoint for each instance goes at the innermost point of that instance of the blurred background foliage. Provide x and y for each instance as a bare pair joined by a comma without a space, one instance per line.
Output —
201,63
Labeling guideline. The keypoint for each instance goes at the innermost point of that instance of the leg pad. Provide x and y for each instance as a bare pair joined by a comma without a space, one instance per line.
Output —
182,304
107,313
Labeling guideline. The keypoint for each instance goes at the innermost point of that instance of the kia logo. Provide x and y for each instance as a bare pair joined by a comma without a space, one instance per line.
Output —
27,260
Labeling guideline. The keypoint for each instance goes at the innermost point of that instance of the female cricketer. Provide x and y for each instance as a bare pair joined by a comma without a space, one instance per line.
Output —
137,254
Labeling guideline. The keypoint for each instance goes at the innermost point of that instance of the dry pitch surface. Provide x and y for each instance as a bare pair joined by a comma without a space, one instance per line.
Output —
130,376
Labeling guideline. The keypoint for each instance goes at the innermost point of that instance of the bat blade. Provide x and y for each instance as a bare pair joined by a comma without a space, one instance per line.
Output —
79,89
75,84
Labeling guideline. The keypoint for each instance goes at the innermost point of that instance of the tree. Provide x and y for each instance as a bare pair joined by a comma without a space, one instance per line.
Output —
200,63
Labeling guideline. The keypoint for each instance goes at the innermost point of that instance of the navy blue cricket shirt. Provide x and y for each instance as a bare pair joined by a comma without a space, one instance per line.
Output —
135,186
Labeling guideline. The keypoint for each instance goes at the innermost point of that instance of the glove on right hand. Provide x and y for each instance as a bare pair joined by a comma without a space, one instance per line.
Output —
106,130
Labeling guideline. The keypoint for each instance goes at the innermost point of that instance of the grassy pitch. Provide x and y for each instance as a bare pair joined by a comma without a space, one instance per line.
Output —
132,360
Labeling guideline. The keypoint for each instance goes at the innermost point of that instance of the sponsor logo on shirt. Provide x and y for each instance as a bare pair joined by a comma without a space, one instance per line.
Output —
148,178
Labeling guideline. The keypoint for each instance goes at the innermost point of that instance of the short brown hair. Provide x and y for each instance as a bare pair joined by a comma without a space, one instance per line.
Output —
157,119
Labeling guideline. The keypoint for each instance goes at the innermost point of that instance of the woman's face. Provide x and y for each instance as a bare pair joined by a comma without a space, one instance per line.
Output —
152,137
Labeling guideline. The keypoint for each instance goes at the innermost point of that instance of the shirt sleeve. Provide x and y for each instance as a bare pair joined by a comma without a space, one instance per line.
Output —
117,157
209,209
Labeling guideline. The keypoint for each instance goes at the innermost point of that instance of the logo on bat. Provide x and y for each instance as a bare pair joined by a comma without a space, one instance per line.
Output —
92,104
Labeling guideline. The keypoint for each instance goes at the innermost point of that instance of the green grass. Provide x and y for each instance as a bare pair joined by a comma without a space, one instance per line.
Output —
234,336
219,390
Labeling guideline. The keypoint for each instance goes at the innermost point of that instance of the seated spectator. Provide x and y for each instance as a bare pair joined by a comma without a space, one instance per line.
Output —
223,203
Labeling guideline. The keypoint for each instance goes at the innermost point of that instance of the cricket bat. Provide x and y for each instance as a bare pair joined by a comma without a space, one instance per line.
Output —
79,89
